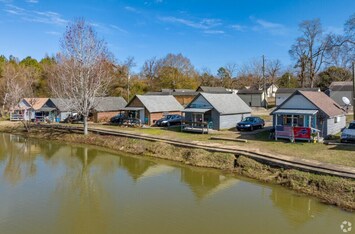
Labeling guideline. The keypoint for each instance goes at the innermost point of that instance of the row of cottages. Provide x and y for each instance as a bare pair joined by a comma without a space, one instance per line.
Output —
57,109
150,108
338,90
305,113
215,111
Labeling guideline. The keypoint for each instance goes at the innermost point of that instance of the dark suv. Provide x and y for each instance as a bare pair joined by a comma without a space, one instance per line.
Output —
250,123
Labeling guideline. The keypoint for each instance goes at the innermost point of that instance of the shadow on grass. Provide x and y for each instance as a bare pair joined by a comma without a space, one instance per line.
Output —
350,147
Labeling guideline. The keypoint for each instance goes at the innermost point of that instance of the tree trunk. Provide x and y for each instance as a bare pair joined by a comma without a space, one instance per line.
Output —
85,125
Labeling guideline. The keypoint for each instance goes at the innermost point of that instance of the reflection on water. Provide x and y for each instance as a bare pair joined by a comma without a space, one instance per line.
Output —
48,187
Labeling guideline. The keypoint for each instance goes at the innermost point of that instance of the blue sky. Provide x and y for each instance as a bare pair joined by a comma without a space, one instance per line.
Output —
210,33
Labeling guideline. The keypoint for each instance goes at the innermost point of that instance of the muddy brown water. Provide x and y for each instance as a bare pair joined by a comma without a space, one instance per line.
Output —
48,187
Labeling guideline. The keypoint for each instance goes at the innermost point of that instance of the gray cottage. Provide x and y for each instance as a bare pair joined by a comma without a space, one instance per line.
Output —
306,113
107,107
338,90
252,97
62,108
215,111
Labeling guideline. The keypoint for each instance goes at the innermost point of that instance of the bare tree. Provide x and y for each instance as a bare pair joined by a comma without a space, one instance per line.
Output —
150,71
309,49
273,69
84,69
251,73
16,83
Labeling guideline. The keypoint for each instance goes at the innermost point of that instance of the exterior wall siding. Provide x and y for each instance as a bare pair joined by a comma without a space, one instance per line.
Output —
281,97
334,128
200,102
230,121
153,117
253,100
184,100
104,116
298,102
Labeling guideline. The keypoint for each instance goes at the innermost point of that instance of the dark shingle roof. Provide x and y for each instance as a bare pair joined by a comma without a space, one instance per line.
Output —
250,91
109,104
341,86
62,104
288,90
207,89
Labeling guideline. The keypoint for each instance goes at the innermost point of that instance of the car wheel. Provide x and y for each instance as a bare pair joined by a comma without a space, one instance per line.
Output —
262,126
168,124
251,128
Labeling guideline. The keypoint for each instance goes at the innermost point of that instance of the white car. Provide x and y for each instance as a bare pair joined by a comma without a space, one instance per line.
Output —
348,134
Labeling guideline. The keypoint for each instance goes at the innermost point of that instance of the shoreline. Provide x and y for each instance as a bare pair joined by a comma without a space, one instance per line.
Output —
331,190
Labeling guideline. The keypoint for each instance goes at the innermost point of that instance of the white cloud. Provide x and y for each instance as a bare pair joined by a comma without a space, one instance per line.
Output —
201,24
214,31
270,27
131,9
46,17
53,33
238,27
32,1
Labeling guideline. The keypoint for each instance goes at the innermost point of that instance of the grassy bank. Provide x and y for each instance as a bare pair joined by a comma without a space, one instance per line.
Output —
331,190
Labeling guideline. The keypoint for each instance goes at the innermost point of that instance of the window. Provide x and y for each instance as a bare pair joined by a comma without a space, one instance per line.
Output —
297,120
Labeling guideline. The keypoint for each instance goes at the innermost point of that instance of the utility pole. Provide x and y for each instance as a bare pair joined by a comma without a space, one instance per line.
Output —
128,78
264,80
353,91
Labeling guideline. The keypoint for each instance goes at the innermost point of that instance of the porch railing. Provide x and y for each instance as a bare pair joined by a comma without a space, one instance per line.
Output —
16,117
189,126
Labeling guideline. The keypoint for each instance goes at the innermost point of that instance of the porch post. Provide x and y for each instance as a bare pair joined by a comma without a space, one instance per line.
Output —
276,117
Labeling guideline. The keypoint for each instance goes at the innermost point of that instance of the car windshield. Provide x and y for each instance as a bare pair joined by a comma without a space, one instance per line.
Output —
249,119
352,126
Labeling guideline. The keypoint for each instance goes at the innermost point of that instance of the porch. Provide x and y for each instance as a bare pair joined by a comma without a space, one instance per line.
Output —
294,124
133,116
196,120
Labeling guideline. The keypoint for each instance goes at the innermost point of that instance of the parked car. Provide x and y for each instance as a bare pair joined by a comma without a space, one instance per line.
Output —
169,120
117,119
74,119
348,134
250,123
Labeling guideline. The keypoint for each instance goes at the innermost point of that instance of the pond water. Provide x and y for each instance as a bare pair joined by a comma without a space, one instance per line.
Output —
48,187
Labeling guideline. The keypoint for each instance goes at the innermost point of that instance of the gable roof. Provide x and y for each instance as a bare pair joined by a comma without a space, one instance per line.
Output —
226,103
159,103
36,103
61,103
320,100
109,104
341,86
207,89
289,90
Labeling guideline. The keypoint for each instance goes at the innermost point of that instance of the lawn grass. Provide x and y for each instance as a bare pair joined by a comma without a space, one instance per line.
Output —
341,155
